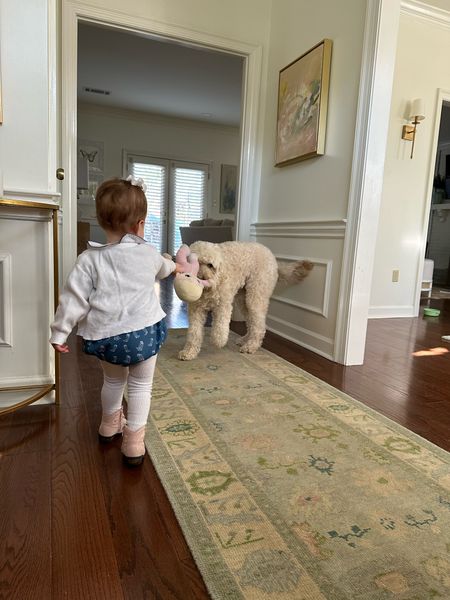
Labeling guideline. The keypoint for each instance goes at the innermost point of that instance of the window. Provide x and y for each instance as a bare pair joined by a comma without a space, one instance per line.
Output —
170,206
188,198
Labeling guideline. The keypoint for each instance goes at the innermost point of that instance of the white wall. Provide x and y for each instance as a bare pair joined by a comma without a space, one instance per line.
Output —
312,195
245,20
28,90
404,214
154,135
27,165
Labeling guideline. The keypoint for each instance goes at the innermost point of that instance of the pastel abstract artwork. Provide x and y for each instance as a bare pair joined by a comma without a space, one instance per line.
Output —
302,106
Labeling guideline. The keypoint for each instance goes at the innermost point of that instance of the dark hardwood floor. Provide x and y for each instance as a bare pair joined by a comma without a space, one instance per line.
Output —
76,524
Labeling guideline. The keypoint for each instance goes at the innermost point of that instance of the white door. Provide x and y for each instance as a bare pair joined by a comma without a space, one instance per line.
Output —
176,195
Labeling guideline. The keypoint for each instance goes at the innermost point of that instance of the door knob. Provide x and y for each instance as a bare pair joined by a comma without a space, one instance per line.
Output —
60,174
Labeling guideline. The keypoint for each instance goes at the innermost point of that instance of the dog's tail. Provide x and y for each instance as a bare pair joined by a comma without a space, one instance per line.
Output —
293,272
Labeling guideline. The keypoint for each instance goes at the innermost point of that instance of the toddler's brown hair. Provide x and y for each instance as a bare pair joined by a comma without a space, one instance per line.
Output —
120,205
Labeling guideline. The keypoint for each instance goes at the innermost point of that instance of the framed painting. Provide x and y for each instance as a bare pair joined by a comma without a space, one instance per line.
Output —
93,152
228,184
302,106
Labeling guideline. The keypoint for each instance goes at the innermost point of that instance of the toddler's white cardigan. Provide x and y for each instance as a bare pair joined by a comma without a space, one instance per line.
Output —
111,290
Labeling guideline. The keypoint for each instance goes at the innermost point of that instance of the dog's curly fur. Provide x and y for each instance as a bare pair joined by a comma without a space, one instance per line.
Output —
241,272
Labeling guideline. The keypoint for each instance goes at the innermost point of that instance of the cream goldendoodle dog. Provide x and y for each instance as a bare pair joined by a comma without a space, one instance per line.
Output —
244,273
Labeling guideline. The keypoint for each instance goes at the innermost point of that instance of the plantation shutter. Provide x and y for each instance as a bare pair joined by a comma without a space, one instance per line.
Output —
154,172
176,194
189,183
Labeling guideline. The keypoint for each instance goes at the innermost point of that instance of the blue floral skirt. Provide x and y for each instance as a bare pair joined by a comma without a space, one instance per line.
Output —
129,348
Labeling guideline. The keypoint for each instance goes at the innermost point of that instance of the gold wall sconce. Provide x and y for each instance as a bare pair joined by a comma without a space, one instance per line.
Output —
417,114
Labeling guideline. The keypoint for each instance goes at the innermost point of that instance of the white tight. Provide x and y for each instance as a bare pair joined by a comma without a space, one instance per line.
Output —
139,378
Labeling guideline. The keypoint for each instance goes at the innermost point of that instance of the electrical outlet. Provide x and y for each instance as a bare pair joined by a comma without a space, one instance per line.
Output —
395,275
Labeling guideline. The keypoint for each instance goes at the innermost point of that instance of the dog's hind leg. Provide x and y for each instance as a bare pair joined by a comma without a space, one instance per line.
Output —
221,324
240,313
257,307
194,338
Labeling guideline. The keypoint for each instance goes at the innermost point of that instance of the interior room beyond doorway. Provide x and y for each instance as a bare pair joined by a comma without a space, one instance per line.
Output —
165,112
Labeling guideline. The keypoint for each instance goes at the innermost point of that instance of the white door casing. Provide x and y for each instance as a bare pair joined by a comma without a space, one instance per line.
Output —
372,121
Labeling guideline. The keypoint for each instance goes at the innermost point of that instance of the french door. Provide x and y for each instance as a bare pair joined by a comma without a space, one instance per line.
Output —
176,195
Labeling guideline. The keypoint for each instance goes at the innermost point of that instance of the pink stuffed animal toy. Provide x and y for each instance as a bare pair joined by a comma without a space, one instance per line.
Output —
188,286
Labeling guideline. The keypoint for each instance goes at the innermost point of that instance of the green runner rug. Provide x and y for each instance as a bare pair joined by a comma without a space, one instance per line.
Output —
286,488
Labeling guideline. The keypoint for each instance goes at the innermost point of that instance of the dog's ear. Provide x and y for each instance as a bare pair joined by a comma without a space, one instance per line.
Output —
214,261
210,257
212,264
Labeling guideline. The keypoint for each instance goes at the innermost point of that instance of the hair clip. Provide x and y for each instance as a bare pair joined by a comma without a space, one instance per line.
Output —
138,182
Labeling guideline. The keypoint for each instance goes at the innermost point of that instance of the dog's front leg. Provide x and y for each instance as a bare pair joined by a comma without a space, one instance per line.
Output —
221,324
194,338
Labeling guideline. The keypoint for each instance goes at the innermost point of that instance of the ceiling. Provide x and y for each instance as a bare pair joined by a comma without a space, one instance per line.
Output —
159,77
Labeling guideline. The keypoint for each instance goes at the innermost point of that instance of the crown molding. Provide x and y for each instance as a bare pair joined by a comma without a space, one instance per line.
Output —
426,12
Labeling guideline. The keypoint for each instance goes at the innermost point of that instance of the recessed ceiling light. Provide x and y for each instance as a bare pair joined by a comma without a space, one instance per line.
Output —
205,114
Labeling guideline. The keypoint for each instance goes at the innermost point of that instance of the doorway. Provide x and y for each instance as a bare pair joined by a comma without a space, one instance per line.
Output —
162,112
436,272
76,13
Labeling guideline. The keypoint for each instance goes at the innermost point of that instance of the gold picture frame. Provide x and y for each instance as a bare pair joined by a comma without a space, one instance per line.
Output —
302,105
228,188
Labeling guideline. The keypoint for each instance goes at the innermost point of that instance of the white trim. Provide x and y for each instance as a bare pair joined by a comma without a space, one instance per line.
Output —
371,131
26,380
52,32
426,13
69,45
321,310
250,151
442,95
19,214
391,312
330,228
170,159
6,327
72,12
316,340
47,400
31,195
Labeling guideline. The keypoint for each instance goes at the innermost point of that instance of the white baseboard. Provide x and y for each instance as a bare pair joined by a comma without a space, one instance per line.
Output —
303,337
391,312
35,380
26,380
48,399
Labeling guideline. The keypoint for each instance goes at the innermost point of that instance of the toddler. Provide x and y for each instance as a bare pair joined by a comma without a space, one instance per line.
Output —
110,295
